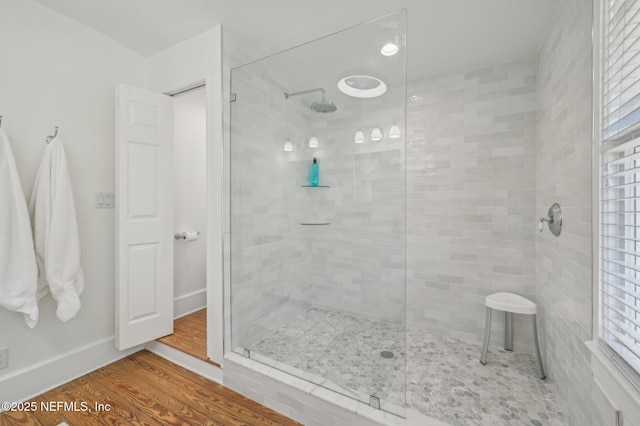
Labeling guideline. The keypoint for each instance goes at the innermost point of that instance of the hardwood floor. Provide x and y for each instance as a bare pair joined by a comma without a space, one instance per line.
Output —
144,389
190,335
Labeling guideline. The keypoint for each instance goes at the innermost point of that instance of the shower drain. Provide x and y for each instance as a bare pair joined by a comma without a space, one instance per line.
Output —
386,354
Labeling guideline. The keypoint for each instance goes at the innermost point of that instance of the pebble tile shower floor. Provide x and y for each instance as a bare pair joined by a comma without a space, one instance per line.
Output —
445,380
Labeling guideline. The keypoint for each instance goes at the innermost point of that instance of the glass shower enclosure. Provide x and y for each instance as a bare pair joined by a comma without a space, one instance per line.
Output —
318,250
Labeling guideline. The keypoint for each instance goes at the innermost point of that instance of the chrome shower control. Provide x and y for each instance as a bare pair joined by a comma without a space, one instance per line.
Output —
553,219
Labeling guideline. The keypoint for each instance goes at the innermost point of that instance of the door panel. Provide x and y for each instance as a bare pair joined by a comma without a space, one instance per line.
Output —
143,261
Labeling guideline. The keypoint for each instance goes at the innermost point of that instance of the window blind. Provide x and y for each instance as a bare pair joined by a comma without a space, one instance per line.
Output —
619,267
621,70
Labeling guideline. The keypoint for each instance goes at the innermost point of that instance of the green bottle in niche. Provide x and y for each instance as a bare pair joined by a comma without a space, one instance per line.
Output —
314,173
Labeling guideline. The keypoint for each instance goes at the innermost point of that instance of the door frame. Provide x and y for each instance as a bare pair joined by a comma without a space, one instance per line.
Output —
185,65
215,216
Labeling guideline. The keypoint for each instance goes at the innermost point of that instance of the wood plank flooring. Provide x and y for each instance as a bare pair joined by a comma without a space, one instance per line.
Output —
145,389
190,335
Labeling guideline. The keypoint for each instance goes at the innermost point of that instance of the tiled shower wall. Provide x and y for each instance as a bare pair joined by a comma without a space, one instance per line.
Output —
471,217
563,175
470,204
470,173
358,261
270,254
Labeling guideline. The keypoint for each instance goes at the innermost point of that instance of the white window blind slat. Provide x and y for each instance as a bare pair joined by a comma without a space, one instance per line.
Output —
627,337
614,218
610,202
609,251
625,103
621,54
613,266
612,278
620,289
614,15
618,229
622,306
615,10
621,176
619,312
614,163
623,51
619,83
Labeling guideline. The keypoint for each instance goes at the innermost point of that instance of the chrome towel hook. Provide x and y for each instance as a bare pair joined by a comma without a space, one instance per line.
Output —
553,219
52,137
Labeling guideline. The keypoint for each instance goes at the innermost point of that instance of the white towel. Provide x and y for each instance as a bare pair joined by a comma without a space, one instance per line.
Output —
18,270
55,230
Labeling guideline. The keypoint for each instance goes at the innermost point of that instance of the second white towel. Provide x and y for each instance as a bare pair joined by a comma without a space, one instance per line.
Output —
55,229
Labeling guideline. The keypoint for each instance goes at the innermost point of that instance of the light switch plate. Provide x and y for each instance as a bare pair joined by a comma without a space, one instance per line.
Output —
105,200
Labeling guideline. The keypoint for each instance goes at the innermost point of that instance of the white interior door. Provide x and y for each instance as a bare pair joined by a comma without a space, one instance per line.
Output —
144,216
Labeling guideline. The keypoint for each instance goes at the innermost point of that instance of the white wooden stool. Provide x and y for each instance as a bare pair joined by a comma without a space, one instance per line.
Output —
511,304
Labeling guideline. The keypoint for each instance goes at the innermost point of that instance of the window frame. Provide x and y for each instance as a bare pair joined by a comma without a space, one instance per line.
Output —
628,372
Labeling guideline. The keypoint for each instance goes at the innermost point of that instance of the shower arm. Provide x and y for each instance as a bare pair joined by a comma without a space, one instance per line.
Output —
288,95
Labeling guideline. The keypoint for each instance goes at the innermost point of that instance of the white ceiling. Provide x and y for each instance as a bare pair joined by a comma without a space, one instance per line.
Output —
443,36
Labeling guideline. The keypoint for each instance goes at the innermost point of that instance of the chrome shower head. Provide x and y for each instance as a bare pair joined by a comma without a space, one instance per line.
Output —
323,106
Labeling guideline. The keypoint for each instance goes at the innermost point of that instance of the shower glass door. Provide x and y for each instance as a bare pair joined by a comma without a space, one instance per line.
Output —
318,251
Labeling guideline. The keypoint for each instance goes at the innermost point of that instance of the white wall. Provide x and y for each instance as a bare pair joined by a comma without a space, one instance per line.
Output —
56,71
190,206
180,66
184,65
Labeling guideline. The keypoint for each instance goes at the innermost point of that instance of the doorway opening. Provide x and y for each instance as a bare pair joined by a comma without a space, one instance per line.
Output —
190,223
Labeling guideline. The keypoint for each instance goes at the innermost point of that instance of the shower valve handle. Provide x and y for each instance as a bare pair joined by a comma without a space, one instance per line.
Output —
553,219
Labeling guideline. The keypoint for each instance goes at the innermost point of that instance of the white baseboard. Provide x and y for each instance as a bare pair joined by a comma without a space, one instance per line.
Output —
45,375
189,303
189,362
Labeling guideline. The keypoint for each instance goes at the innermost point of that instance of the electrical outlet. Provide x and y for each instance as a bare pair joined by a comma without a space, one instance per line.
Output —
4,357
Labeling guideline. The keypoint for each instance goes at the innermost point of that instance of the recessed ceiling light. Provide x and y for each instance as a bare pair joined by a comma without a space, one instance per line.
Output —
288,146
389,49
359,137
313,142
362,86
